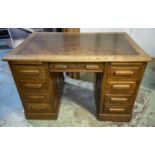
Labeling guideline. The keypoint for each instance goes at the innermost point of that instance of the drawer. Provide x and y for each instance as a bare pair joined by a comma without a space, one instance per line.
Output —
121,87
29,72
90,66
117,109
38,108
124,72
33,86
35,97
56,67
118,99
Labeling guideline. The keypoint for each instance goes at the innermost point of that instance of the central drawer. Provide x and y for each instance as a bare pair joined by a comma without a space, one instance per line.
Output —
75,67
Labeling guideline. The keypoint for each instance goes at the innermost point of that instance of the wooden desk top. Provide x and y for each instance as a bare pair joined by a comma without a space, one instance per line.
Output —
78,47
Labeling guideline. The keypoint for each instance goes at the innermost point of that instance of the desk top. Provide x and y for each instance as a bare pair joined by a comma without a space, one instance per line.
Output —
78,47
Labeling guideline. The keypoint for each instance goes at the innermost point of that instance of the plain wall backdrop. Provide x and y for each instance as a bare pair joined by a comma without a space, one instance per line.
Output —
145,37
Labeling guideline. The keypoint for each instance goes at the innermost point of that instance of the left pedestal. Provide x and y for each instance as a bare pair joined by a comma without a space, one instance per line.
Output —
40,91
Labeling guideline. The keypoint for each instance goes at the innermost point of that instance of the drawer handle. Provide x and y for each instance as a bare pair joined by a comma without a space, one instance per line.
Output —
60,66
32,72
92,67
123,72
121,86
36,97
29,85
116,109
114,99
39,107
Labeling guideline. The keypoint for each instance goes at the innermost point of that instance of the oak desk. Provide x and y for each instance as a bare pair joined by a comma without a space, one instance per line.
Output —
38,64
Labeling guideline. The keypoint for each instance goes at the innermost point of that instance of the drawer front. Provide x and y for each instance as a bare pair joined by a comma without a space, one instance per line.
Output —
90,66
118,99
38,108
124,73
33,86
121,87
76,66
117,109
36,97
29,72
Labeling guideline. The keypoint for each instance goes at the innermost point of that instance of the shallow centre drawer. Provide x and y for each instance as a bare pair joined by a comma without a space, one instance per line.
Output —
74,67
29,72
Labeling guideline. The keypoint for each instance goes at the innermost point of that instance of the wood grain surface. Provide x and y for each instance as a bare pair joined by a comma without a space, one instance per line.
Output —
78,47
38,64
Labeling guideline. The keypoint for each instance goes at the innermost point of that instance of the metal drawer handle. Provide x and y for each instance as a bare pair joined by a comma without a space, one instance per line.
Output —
92,67
32,72
60,66
114,99
121,86
36,97
123,72
29,85
116,109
